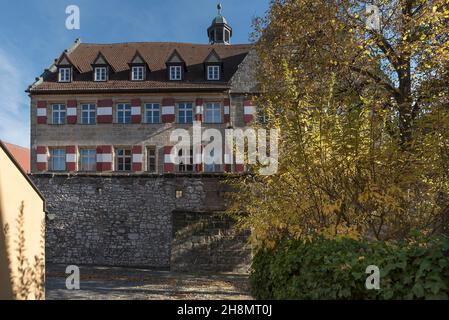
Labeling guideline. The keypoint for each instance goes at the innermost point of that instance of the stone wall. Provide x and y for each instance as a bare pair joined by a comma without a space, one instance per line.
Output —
208,242
124,220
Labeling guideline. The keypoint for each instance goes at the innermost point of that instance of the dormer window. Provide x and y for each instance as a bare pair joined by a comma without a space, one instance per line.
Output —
175,73
101,74
138,73
102,69
65,74
213,73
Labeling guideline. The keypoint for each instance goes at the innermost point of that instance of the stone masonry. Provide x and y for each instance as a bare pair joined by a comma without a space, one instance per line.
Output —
128,221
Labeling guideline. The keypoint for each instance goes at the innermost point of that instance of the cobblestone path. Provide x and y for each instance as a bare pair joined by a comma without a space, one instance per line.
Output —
104,283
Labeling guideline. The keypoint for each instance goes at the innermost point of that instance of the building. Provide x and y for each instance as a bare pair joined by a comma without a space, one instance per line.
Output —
21,154
103,108
101,119
22,219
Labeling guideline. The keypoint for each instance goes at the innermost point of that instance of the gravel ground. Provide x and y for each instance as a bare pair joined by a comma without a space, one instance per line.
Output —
105,283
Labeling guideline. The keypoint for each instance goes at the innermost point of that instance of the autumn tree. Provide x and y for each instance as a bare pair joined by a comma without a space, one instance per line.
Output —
359,91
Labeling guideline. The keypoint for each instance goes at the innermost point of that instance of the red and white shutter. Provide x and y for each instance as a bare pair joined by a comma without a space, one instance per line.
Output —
41,112
136,111
227,110
169,166
104,111
71,111
168,110
239,168
137,159
104,158
70,156
199,160
249,111
228,159
41,158
199,110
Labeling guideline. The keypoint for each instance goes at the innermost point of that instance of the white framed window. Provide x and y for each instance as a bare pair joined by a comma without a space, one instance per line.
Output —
124,113
152,113
58,113
88,160
57,159
138,73
212,167
213,72
212,113
175,73
123,159
88,113
185,161
185,113
65,74
151,160
101,74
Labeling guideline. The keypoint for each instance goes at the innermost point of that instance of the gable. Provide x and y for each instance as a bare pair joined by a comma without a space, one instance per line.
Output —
100,60
175,58
64,62
213,58
137,60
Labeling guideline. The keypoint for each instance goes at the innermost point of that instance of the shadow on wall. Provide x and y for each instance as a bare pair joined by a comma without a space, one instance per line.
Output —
208,242
23,279
6,292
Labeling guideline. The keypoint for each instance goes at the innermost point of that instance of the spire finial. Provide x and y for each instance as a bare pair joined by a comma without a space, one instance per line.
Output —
219,7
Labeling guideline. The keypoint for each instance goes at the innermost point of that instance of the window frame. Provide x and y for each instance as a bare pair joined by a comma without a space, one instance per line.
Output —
214,73
52,157
152,111
188,168
216,168
89,113
102,68
133,78
220,112
185,111
62,110
124,119
119,158
151,149
82,157
178,72
63,72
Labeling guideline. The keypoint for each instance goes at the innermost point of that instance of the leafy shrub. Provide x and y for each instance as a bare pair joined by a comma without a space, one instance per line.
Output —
336,269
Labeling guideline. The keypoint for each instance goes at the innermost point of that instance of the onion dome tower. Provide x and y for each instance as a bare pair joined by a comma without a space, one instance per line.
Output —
220,32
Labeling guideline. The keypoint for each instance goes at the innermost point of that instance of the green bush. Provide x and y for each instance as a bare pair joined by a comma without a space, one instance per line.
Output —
336,269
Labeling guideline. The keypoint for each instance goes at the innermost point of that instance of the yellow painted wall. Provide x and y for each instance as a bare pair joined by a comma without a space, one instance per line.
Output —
16,254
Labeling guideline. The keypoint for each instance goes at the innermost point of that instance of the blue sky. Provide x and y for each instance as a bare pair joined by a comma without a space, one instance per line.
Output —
33,34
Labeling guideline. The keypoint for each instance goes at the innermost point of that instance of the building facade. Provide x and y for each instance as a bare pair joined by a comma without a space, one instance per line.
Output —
101,120
110,108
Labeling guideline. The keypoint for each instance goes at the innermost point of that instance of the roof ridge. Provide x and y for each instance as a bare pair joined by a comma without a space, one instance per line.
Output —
163,42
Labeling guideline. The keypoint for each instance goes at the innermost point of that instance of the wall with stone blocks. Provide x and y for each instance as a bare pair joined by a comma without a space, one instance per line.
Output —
128,220
208,242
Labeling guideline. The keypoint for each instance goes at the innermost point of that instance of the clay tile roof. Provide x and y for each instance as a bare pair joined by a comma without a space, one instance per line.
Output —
20,154
156,55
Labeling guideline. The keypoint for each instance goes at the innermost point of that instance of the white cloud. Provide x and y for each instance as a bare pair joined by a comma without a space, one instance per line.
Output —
14,110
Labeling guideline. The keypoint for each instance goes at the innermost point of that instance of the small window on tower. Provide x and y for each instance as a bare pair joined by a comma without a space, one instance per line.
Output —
219,35
227,36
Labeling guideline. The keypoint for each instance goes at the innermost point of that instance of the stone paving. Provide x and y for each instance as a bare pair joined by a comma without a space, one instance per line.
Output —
103,283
